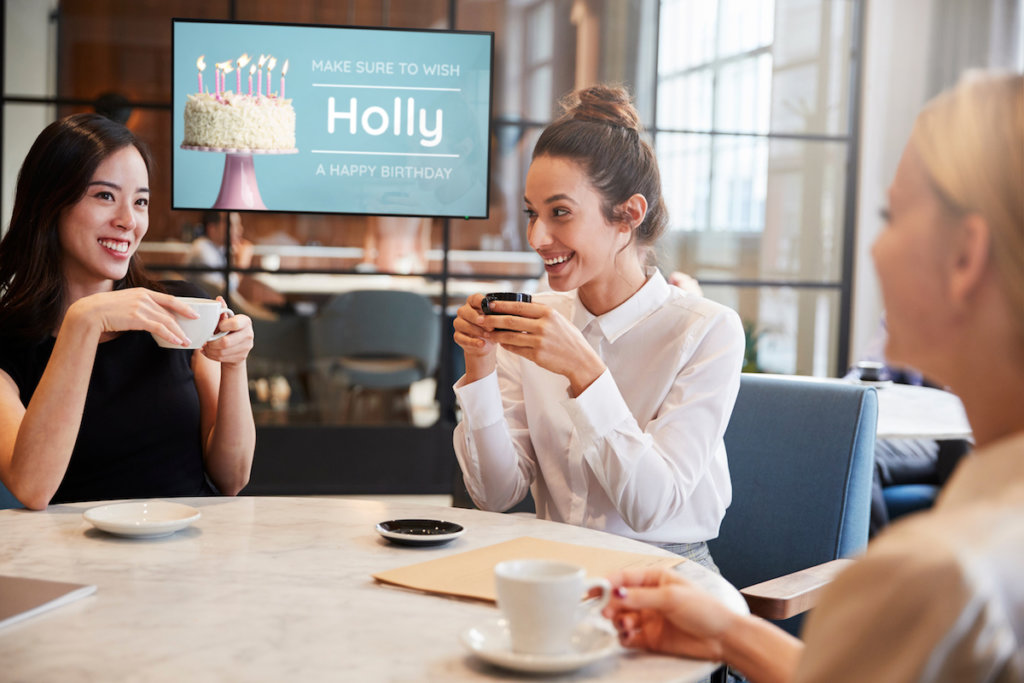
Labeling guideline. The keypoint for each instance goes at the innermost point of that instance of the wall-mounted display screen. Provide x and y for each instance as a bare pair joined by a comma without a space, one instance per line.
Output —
331,119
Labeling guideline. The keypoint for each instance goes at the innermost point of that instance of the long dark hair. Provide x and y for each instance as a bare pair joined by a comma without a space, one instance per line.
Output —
601,131
53,177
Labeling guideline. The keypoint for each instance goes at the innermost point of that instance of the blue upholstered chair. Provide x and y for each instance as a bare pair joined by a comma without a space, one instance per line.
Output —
7,499
800,457
904,499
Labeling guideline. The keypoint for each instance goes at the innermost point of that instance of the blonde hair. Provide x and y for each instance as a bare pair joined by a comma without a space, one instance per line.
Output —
971,140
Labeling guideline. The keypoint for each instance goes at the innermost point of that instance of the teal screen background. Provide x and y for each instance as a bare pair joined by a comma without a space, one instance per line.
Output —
342,172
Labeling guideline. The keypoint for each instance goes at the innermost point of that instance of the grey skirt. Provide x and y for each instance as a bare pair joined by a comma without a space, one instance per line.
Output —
698,552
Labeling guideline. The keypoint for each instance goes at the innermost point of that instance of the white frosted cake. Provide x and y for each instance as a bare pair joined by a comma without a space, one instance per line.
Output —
239,122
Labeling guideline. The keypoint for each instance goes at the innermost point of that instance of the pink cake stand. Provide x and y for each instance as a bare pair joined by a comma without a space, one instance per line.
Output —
238,186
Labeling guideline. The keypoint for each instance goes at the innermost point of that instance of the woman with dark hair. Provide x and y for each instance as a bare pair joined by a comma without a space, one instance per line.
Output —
608,396
90,406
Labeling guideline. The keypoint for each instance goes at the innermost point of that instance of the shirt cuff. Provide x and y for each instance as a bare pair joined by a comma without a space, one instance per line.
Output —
480,401
599,409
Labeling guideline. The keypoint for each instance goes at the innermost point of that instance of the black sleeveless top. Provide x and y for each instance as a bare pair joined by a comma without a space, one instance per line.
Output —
140,434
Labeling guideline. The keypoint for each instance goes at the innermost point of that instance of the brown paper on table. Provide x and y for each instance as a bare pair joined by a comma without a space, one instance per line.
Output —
471,574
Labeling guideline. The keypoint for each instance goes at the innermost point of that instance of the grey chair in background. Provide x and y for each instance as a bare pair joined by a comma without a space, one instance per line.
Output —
373,345
281,351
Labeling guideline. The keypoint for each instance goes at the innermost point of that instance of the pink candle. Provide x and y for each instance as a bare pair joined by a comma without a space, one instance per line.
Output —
259,76
284,70
271,63
240,62
201,65
216,79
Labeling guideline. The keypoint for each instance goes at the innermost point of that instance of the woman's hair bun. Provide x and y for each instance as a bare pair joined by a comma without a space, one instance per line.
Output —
607,104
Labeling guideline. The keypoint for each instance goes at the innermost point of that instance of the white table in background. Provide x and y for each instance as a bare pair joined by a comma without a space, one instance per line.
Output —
274,589
911,412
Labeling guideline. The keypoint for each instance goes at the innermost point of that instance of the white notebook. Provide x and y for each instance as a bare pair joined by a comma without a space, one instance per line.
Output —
21,598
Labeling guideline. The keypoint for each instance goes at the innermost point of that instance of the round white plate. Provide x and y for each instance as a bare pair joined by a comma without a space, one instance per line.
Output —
592,640
419,531
146,519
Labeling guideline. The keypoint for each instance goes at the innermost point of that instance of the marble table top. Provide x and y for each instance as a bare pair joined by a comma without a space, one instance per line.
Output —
267,588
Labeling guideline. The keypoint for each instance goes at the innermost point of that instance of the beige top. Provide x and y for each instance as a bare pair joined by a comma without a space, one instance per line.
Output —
938,597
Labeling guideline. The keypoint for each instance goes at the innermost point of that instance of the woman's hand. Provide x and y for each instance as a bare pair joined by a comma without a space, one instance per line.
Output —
132,309
541,334
656,609
469,334
234,347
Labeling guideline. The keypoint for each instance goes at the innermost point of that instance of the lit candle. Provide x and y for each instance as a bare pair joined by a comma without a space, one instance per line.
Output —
227,68
259,76
201,65
216,79
252,70
242,61
271,63
284,70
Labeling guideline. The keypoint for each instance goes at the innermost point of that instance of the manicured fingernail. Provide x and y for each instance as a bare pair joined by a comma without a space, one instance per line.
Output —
187,342
619,592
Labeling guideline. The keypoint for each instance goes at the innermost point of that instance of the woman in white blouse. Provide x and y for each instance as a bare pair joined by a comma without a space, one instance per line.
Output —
608,396
938,596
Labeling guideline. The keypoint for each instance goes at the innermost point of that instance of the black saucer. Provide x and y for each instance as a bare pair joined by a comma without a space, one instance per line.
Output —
419,531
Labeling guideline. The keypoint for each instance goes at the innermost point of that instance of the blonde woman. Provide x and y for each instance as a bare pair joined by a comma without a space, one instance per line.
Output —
939,597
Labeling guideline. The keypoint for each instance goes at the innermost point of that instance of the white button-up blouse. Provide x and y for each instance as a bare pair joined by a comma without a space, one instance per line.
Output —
638,453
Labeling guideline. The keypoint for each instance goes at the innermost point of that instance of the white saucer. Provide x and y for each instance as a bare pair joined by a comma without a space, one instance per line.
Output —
592,640
147,519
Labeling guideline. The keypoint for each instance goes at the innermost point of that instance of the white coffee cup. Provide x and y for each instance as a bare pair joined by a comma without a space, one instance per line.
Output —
199,330
542,601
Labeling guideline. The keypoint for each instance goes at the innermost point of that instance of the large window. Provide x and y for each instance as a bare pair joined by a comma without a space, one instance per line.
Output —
755,140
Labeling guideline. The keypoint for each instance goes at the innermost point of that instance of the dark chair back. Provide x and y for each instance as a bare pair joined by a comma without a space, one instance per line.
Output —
383,325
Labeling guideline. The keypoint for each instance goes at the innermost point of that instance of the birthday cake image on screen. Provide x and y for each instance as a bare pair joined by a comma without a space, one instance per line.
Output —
253,118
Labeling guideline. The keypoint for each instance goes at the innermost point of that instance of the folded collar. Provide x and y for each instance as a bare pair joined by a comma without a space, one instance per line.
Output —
630,312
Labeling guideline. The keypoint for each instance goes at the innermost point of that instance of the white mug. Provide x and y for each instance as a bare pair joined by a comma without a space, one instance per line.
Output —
542,601
198,330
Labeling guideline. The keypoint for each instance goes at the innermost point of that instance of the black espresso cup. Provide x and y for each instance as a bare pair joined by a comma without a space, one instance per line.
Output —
870,371
502,296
